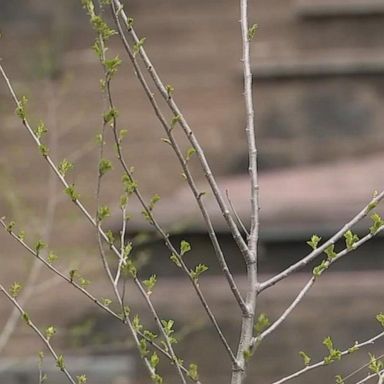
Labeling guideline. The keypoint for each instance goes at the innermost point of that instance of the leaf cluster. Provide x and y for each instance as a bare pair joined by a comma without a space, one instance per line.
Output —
334,353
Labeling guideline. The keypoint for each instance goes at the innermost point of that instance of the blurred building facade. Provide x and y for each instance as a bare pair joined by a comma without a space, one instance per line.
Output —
318,68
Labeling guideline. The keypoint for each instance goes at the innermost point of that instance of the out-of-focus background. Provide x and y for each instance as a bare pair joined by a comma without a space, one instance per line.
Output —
318,68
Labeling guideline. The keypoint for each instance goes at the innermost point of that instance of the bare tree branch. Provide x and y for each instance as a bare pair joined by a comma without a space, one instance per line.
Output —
318,251
119,12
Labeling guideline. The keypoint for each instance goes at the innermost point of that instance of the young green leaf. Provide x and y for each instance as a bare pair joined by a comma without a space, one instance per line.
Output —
154,360
112,65
328,342
191,151
334,354
184,247
64,167
261,323
99,138
354,347
149,335
124,200
15,289
82,379
103,212
315,240
378,222
122,134
380,318
84,282
169,88
110,237
129,184
104,167
21,108
106,302
127,250
150,283
175,259
72,274
247,354
317,271
137,326
60,362
40,130
50,332
43,150
126,311
199,269
137,46
330,252
168,326
154,199
144,351
193,372
71,192
102,27
130,22
39,246
110,115
26,318
175,119
350,239
375,365
11,226
305,357
373,204
252,31
129,269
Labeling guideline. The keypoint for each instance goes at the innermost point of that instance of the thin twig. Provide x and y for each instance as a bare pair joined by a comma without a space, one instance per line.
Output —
256,340
98,190
122,242
236,214
51,162
52,202
322,363
57,272
29,322
318,251
369,377
360,369
90,219
286,313
64,277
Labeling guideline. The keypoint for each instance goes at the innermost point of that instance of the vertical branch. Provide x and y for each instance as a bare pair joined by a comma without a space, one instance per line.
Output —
250,130
100,175
247,323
